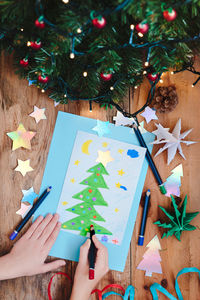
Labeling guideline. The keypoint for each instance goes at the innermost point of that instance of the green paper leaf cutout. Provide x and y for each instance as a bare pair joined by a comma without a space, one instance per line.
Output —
178,235
177,213
163,225
189,227
189,217
167,214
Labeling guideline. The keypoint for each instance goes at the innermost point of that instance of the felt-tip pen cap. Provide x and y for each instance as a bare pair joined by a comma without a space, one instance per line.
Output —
140,240
13,235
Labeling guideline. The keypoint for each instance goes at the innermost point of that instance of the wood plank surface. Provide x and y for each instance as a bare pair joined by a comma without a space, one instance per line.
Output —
16,103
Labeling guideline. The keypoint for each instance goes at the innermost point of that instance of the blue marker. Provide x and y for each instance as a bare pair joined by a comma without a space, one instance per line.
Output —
144,218
30,213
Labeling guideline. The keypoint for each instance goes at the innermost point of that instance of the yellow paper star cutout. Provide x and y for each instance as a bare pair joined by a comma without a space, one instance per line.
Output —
116,209
77,162
72,180
104,144
104,157
64,203
23,166
120,151
21,137
118,185
121,172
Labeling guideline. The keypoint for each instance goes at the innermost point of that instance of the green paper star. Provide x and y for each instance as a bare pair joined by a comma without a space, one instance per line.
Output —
179,220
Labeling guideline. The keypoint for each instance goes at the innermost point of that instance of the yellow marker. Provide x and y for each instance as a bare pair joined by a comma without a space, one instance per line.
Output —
121,172
118,185
77,162
121,151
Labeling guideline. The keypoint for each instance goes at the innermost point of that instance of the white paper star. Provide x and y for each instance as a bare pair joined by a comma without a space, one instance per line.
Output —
172,140
149,114
23,166
104,157
121,120
38,114
24,209
101,128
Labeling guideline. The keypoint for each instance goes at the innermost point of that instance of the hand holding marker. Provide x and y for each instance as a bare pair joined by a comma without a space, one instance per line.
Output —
92,254
30,213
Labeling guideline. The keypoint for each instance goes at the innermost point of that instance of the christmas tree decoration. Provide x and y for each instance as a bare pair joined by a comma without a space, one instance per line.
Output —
165,99
23,166
170,14
173,182
172,140
21,137
106,76
24,209
29,196
152,76
43,78
151,258
35,45
91,196
142,27
40,22
38,114
179,220
102,128
24,62
99,22
121,120
149,114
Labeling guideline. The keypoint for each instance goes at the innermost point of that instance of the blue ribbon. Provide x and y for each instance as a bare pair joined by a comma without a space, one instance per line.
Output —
130,291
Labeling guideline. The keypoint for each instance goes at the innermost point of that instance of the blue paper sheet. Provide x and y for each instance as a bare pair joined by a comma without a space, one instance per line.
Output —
67,245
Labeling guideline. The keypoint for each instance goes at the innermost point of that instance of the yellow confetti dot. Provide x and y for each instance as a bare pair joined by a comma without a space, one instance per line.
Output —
118,185
86,229
64,226
64,203
77,162
104,144
121,172
120,151
72,180
116,209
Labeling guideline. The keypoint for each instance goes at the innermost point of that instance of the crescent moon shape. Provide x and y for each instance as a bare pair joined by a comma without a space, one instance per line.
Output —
85,147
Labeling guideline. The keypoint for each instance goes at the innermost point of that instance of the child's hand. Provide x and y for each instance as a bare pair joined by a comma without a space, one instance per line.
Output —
83,287
28,255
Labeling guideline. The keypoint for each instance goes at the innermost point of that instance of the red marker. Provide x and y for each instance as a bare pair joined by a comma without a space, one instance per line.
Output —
92,254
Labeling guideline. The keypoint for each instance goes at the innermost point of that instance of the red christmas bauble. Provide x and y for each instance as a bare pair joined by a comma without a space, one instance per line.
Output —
170,16
143,28
99,23
152,76
106,76
43,78
36,45
24,62
39,24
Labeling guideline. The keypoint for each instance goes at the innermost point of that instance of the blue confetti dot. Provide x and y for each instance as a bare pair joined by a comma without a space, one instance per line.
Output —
88,197
92,170
83,211
73,208
80,228
99,230
95,180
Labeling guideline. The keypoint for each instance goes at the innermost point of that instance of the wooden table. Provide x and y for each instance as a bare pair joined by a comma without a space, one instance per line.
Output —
16,103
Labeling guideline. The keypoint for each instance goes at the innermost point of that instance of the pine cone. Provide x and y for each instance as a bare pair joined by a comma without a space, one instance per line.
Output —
165,99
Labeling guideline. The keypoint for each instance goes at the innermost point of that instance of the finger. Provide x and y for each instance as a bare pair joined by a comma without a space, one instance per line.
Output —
49,229
52,238
53,265
83,258
97,243
41,227
33,227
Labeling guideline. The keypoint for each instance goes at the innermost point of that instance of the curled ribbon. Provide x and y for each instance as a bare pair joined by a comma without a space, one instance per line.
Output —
129,293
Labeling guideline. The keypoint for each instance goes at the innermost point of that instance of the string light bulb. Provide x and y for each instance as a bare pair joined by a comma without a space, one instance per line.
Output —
135,86
172,72
140,34
161,81
192,85
145,72
85,74
22,29
65,95
65,1
111,88
28,43
146,64
79,30
132,26
43,91
72,55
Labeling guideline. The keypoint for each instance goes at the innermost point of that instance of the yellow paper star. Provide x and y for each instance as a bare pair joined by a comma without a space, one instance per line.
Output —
116,209
64,203
72,180
120,151
104,157
104,144
121,172
77,162
21,137
23,166
118,185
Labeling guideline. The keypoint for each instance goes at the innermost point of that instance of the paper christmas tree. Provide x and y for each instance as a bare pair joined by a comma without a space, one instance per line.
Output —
90,196
151,258
173,182
179,220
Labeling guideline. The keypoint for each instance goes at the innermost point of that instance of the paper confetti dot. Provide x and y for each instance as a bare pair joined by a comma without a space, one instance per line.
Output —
95,180
64,203
86,181
104,238
89,208
116,209
81,196
99,168
98,174
72,180
94,199
88,197
82,222
83,211
73,223
104,144
86,229
73,208
81,206
99,230
80,228
64,226
90,191
94,217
